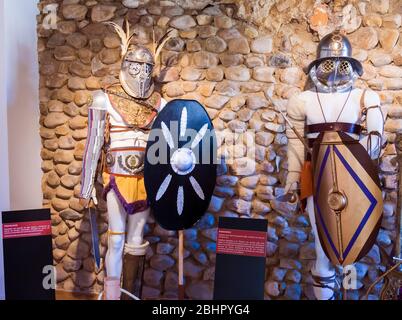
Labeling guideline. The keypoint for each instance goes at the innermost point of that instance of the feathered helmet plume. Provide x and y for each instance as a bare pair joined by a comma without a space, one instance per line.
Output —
127,35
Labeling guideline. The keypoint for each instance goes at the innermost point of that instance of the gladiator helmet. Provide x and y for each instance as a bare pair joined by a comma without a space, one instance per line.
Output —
334,70
136,72
138,62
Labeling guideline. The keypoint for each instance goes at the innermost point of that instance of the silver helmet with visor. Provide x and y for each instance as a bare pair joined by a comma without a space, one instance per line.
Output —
334,70
136,72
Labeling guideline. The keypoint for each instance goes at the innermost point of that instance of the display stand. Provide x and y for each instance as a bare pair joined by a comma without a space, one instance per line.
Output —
181,265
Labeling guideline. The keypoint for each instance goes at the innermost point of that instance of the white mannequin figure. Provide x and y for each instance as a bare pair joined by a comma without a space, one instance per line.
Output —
304,107
126,231
323,105
119,120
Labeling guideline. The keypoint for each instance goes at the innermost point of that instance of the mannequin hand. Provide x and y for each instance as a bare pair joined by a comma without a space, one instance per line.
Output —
93,197
292,182
375,149
85,202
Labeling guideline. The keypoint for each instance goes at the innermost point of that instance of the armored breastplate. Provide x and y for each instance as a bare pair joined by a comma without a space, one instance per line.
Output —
137,113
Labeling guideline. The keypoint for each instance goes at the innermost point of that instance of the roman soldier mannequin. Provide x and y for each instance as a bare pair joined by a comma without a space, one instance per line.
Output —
119,121
334,112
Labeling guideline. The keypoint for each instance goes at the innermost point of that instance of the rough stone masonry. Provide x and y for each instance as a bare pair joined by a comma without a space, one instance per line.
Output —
230,57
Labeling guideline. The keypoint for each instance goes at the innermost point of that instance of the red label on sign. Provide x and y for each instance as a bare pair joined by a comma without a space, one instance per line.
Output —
242,242
27,229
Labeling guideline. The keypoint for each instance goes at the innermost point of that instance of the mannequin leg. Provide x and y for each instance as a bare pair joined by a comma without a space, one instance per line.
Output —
135,228
135,249
322,267
117,225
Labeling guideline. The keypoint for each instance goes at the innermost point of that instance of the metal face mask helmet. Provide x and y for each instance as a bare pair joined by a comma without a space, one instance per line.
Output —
136,73
334,70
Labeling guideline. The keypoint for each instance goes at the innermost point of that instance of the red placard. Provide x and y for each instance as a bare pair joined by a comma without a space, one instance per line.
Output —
27,229
242,242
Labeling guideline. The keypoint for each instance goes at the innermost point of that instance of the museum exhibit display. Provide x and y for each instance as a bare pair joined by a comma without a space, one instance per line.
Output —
205,150
344,198
119,120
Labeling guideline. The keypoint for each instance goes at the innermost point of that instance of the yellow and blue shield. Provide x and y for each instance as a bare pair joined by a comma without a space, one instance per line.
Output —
347,197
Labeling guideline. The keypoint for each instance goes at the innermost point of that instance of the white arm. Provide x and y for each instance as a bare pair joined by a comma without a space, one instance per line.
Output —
296,149
94,143
374,123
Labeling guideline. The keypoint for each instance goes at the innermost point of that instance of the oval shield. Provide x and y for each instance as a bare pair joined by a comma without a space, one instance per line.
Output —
180,164
347,197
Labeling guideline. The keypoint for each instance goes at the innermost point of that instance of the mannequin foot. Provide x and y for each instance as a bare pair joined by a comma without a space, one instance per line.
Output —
324,286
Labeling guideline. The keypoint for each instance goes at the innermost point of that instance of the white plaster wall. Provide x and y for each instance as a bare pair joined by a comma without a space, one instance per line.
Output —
4,182
23,104
20,163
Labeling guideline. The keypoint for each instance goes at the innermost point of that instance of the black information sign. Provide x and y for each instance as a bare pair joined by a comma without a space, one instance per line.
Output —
240,259
28,260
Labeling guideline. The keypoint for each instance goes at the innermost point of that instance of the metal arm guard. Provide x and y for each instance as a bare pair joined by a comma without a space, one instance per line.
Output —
93,149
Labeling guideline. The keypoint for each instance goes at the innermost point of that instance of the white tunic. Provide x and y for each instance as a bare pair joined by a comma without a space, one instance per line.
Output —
304,108
100,108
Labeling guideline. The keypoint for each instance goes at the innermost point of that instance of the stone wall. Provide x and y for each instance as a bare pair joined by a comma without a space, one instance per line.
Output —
230,57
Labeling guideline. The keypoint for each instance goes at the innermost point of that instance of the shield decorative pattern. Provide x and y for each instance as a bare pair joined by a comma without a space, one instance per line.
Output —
347,197
180,164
